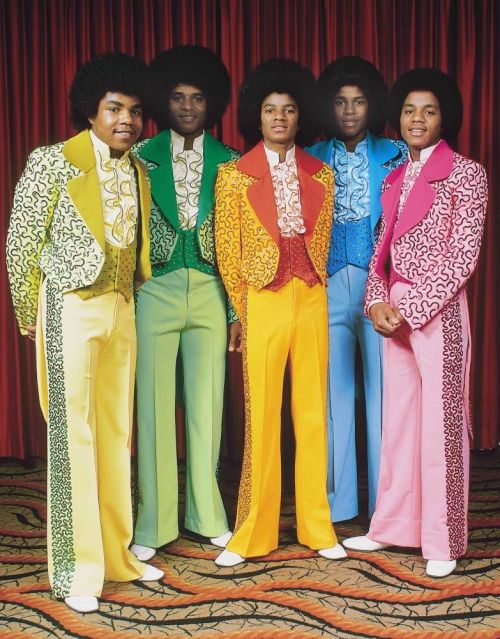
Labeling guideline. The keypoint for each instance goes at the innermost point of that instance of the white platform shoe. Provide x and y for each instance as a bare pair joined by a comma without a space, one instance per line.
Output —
363,543
143,553
82,603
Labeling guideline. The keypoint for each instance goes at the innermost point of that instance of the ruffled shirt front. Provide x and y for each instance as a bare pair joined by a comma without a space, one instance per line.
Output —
118,188
187,167
286,188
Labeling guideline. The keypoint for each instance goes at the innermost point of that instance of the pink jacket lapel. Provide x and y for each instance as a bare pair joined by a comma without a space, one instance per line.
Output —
422,196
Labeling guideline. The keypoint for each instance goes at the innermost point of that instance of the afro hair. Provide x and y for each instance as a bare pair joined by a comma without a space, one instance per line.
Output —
193,65
277,75
441,85
109,72
352,70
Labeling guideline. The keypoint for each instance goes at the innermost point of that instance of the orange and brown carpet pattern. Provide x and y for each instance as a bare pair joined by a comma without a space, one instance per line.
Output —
291,594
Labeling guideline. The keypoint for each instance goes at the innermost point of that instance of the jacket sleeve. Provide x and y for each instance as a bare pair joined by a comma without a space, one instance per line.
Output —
431,292
35,198
228,234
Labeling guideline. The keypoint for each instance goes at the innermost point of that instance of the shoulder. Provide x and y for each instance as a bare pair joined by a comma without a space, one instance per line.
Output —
463,163
138,146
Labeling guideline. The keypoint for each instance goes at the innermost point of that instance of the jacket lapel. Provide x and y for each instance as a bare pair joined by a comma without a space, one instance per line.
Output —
84,189
312,192
380,151
423,194
143,263
261,193
214,153
389,202
158,150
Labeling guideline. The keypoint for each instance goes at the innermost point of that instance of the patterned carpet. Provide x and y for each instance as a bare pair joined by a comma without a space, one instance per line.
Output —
291,594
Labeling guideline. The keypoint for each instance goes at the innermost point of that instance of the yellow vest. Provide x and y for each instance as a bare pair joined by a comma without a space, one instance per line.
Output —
117,273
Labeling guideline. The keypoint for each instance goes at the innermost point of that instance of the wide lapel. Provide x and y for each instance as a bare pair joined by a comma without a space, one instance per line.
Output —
312,191
261,193
84,189
422,195
158,150
389,201
323,151
214,153
145,208
380,151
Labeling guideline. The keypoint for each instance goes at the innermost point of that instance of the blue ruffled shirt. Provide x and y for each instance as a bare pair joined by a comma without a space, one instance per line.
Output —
352,241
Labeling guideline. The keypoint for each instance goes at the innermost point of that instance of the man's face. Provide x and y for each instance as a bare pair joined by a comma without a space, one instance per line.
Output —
187,110
350,112
420,120
118,121
279,119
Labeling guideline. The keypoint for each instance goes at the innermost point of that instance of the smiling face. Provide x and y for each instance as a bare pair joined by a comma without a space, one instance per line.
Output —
118,121
350,112
187,110
420,121
279,120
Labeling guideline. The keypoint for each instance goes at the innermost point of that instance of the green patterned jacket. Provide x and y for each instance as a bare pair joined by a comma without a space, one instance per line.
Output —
164,222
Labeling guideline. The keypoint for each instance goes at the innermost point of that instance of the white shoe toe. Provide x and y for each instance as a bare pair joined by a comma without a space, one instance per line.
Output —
439,568
228,558
363,543
144,553
335,552
222,540
152,573
83,603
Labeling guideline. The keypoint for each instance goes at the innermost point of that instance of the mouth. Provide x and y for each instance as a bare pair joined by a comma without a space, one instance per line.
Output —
125,134
349,124
279,128
417,132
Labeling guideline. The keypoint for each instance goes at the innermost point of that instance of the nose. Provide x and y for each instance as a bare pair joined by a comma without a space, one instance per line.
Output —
187,104
349,107
126,117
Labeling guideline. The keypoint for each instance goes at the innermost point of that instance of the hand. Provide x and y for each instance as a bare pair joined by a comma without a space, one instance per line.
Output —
235,337
31,332
386,320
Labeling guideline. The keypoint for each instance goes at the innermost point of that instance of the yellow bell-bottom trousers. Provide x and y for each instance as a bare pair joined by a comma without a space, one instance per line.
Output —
279,326
86,363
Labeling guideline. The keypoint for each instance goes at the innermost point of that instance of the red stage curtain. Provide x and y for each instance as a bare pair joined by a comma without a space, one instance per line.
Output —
43,41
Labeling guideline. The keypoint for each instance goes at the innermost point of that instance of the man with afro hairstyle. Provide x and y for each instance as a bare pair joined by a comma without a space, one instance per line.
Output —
78,239
273,220
434,207
183,308
353,99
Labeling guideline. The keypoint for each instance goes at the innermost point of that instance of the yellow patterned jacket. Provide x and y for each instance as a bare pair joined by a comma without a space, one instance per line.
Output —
246,229
57,225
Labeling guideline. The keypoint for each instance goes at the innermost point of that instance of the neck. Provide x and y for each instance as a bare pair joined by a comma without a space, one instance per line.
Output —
189,140
352,143
280,148
113,153
414,153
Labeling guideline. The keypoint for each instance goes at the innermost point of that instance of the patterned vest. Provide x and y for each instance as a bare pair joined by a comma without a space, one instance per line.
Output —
352,243
117,273
186,254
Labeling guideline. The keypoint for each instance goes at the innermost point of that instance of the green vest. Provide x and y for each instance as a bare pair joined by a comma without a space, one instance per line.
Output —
186,254
117,273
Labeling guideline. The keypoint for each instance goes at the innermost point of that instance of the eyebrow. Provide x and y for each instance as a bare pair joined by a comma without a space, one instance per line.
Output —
120,104
434,105
285,105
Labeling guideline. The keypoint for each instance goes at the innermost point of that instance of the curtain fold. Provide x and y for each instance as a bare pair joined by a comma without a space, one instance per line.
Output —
42,42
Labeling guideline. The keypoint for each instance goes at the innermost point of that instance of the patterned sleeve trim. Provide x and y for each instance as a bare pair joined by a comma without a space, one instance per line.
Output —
228,233
35,198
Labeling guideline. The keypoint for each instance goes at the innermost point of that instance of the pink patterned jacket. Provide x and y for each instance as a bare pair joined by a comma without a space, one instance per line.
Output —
435,245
